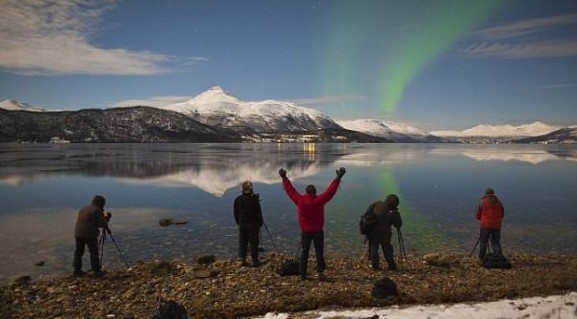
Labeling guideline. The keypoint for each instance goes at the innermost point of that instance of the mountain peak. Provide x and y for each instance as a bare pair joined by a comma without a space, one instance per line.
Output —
215,94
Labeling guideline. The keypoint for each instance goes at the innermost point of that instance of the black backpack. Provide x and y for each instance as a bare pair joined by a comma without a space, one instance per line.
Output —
492,260
170,310
288,267
367,222
384,288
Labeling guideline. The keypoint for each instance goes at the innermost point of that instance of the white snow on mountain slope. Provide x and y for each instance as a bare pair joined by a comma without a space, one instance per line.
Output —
506,130
217,105
12,105
381,128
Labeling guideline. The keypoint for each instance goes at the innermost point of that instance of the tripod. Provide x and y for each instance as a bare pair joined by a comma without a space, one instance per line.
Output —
403,253
489,244
270,236
103,239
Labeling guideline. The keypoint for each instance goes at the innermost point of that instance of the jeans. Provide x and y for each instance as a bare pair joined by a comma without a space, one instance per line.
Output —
387,252
495,235
318,238
92,244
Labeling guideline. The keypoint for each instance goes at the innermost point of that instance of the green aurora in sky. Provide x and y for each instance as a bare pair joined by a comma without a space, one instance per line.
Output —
410,37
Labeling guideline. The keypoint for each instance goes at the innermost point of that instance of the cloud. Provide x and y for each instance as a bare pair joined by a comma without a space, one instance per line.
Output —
545,49
525,27
329,99
49,37
521,39
155,101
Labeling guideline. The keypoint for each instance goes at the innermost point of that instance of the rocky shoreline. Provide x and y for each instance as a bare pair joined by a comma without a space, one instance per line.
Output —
223,289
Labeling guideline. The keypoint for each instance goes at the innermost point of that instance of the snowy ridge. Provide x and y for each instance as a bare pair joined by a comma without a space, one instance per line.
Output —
12,105
397,132
215,106
381,128
507,130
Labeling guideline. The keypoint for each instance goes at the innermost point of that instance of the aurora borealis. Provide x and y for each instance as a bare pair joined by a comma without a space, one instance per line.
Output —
402,51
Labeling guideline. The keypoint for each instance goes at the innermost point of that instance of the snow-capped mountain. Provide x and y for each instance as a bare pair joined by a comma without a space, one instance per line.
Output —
271,120
507,130
397,132
566,135
219,108
12,105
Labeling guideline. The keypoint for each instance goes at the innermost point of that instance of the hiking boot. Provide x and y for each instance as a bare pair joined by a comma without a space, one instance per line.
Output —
322,276
78,273
256,264
99,274
243,263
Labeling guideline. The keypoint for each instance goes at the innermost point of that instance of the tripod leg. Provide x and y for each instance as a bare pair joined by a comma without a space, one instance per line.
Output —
270,236
474,247
102,249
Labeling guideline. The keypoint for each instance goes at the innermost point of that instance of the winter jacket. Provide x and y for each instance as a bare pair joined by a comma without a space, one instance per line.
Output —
490,212
386,218
90,218
247,210
311,208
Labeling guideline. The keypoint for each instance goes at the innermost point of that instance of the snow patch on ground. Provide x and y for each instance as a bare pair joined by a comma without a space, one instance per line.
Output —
558,307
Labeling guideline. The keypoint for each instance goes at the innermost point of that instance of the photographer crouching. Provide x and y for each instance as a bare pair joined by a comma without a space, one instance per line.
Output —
90,218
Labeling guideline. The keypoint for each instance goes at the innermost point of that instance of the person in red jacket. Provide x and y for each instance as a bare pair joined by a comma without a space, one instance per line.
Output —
490,214
311,217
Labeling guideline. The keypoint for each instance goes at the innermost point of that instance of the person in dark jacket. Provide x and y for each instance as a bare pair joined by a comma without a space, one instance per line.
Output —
90,219
248,217
387,216
311,216
490,213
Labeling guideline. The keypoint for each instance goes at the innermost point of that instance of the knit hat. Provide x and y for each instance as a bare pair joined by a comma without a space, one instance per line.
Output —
489,190
392,201
246,187
99,201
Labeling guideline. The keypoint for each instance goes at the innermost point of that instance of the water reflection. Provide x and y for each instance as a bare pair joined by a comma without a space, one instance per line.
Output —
43,185
205,167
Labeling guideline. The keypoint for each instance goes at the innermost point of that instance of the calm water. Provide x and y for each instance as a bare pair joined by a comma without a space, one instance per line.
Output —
42,186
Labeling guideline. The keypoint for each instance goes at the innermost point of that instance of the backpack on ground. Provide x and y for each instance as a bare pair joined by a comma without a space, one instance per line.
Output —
367,222
289,267
492,260
170,310
384,288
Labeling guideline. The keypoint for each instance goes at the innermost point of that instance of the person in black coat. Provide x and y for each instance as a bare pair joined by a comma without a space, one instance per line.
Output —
248,217
387,216
90,218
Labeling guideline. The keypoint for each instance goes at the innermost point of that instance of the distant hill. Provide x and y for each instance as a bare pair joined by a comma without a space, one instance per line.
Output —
397,132
566,135
118,125
503,133
12,105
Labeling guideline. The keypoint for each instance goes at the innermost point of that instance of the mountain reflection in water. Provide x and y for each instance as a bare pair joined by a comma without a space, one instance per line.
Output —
43,185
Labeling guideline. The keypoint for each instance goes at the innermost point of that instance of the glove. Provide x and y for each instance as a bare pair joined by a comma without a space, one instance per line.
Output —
340,172
107,215
282,173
